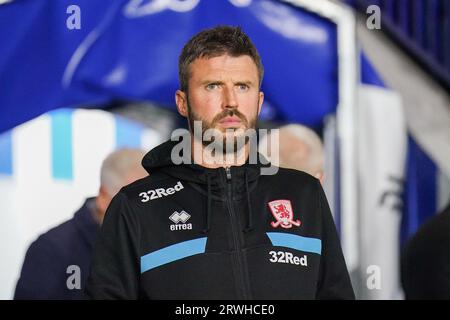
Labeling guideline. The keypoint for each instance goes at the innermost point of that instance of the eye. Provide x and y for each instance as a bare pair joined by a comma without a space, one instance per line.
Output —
243,87
212,86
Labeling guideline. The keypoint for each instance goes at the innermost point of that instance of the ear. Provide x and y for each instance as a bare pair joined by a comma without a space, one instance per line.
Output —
321,176
261,100
181,101
102,201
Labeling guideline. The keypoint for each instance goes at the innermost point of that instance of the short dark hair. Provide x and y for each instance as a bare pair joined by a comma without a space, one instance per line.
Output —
215,42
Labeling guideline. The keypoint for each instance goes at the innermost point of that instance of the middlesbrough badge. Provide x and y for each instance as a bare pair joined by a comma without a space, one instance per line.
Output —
282,211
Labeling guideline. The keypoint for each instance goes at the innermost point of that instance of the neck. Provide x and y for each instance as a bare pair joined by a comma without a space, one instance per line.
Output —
98,216
204,157
96,213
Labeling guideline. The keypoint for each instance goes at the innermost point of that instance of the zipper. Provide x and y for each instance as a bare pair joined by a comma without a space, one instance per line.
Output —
239,264
228,171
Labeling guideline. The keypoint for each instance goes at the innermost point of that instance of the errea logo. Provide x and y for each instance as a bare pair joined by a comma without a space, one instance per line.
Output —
160,192
182,217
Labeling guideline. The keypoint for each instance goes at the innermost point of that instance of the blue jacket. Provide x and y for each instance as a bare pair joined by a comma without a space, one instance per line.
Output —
45,269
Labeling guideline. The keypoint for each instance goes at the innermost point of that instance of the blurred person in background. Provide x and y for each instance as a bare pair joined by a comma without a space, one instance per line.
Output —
66,249
300,148
425,268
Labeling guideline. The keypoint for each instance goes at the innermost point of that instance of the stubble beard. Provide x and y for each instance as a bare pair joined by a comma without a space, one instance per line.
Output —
230,137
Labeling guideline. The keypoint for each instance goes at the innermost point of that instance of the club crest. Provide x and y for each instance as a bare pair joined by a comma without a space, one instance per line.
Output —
283,213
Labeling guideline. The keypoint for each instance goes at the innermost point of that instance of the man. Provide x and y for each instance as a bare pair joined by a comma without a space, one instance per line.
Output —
212,230
53,262
300,148
426,260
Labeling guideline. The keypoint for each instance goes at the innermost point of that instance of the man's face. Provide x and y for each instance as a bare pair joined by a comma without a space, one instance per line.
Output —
223,94
105,195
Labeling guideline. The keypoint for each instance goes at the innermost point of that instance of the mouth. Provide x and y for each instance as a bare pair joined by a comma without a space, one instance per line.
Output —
230,122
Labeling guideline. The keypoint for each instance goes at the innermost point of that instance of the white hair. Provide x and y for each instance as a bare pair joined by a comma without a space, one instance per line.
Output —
117,166
309,159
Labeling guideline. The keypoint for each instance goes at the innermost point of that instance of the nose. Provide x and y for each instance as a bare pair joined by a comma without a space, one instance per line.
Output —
229,98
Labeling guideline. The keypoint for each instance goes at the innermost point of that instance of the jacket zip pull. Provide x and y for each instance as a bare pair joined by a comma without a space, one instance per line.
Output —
228,171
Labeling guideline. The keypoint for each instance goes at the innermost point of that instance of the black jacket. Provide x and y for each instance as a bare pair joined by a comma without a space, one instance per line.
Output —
187,232
426,260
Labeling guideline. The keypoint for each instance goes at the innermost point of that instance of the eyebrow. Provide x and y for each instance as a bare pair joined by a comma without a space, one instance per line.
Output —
211,81
248,82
